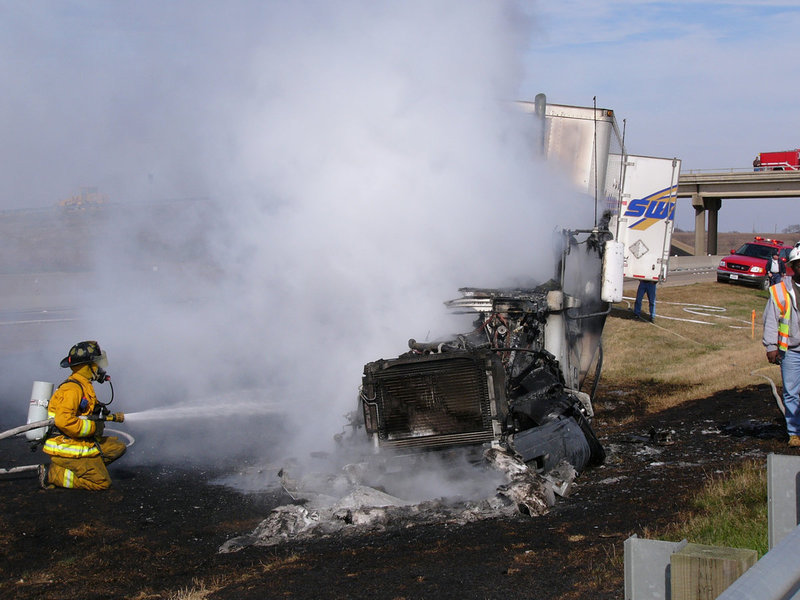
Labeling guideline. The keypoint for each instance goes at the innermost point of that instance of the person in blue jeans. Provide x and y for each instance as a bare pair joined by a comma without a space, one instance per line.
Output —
781,340
649,288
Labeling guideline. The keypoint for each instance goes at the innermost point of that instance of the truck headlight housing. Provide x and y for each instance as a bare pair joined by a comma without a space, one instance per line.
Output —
757,269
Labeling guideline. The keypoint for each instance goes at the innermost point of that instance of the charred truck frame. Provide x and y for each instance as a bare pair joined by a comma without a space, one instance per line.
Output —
512,382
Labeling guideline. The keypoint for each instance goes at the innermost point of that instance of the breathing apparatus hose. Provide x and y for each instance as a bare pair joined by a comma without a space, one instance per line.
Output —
104,405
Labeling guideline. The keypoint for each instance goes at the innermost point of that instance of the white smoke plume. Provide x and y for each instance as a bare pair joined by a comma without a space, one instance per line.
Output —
343,168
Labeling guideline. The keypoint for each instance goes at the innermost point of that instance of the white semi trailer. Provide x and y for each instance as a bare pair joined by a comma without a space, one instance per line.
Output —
638,192
586,144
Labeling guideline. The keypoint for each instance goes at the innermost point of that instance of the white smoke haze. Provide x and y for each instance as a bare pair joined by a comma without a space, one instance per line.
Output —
349,166
455,475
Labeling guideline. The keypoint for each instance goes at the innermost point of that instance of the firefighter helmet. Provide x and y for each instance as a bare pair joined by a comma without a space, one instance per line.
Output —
84,353
794,254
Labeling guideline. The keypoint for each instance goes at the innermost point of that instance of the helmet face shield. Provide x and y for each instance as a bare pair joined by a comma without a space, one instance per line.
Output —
102,360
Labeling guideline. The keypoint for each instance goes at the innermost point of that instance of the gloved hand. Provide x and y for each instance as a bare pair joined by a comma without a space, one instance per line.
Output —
99,426
116,417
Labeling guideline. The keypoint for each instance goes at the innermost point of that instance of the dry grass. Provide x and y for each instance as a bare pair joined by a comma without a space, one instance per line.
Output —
291,561
200,590
689,352
36,578
685,356
83,530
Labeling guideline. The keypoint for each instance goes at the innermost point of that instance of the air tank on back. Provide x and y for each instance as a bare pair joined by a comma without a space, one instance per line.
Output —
37,410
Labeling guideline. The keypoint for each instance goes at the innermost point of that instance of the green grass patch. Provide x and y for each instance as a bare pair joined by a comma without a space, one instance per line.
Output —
731,511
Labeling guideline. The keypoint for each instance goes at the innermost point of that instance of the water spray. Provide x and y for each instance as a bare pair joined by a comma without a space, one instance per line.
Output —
202,411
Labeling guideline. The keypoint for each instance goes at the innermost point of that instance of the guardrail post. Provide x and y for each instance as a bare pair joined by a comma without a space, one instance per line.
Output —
783,499
702,572
647,568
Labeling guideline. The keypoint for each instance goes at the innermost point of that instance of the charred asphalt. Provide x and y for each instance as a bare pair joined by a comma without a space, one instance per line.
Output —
159,529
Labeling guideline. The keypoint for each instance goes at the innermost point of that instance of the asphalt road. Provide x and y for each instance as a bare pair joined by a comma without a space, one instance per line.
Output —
39,307
684,270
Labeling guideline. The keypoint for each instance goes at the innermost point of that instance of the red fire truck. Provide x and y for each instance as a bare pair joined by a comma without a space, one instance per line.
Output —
749,264
785,160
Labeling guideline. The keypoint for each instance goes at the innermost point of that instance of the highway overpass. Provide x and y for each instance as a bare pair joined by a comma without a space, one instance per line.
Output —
708,189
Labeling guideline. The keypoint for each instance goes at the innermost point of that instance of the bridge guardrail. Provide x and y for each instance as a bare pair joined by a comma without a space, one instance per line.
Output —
737,170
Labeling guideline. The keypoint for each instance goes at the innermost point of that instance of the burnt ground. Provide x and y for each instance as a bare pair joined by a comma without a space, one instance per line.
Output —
158,529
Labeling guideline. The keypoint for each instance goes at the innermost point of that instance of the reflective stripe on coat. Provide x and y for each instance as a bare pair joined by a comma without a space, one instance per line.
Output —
780,296
74,437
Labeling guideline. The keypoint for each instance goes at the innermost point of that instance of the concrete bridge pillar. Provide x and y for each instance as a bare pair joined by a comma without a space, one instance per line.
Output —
712,205
699,224
702,244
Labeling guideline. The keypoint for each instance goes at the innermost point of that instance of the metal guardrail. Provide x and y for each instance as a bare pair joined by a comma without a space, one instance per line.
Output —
774,577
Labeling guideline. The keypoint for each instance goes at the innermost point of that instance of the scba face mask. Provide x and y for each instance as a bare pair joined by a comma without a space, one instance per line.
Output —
99,368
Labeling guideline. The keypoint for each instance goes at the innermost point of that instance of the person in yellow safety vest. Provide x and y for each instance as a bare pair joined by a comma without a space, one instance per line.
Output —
782,341
79,452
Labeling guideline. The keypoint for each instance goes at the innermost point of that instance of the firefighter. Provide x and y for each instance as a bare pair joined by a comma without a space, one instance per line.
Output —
782,342
78,449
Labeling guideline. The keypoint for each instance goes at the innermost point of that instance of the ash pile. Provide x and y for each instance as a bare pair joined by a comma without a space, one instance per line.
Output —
504,397
363,498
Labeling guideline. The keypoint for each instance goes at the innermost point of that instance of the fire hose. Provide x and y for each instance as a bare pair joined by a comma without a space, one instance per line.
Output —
24,428
775,393
114,418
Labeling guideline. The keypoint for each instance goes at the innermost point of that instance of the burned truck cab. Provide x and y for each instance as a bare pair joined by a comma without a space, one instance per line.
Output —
510,382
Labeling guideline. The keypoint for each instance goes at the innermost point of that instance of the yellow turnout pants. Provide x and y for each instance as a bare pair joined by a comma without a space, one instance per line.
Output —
86,473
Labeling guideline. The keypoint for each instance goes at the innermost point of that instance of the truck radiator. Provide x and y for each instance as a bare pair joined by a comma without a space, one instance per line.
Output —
430,401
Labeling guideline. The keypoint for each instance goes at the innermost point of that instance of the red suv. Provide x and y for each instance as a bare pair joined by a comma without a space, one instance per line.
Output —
749,263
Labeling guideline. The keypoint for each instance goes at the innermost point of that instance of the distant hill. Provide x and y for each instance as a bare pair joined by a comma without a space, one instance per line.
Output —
74,237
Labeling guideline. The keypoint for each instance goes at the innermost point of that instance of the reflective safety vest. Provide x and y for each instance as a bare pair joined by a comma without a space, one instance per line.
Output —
780,296
72,437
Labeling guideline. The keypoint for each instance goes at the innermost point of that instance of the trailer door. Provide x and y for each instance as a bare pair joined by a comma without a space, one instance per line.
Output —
647,215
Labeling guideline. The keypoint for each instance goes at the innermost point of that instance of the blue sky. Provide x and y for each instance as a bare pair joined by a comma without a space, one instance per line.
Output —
98,89
712,83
